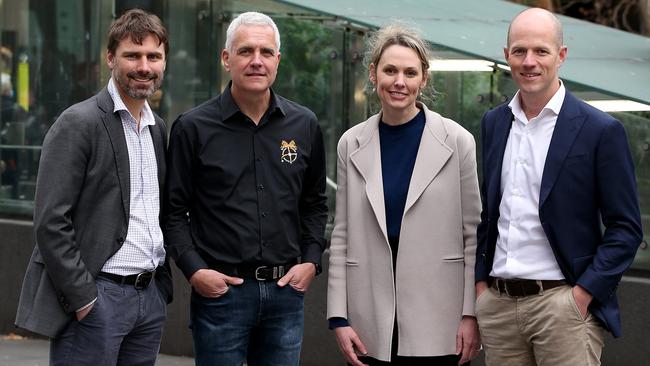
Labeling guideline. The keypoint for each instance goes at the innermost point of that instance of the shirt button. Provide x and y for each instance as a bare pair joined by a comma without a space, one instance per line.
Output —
263,214
260,187
258,159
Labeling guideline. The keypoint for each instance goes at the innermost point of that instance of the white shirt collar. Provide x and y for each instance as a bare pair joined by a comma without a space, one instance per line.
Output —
119,106
554,105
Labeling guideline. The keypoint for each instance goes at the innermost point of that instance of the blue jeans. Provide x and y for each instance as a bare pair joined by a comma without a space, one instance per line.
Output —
257,322
123,328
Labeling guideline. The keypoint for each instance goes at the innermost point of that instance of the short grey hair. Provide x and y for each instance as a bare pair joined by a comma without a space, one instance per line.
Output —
251,18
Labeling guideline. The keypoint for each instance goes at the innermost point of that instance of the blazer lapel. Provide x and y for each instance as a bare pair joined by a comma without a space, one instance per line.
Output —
501,131
159,142
367,160
569,122
113,125
433,154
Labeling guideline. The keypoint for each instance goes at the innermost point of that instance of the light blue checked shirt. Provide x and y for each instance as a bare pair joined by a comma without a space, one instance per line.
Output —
143,248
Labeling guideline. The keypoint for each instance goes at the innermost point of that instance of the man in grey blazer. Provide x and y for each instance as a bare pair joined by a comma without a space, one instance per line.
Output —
98,281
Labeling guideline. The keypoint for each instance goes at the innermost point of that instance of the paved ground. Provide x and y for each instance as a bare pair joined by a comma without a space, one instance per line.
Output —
34,352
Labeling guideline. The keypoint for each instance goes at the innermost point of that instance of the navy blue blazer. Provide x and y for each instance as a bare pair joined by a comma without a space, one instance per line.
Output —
588,203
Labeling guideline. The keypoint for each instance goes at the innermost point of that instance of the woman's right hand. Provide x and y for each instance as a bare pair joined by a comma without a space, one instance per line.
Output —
350,345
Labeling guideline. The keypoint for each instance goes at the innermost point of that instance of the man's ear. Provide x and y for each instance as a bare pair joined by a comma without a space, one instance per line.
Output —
225,59
110,60
563,52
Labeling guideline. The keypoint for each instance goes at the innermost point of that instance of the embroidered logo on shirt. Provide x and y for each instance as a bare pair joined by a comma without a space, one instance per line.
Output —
289,151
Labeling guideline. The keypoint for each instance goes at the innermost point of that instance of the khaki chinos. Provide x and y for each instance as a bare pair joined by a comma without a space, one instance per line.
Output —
545,329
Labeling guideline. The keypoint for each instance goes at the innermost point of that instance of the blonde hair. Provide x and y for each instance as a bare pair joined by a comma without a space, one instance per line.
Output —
397,35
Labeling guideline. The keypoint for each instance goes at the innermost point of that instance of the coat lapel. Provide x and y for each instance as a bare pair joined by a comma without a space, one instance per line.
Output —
501,131
433,154
113,125
159,141
367,160
569,122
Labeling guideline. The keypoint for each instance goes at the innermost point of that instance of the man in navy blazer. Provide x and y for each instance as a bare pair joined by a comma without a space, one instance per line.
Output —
560,221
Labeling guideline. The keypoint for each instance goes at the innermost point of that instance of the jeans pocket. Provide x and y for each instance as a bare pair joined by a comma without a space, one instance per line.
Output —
295,290
222,296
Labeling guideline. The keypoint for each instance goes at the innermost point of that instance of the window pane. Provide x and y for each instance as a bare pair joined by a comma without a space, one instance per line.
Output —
46,66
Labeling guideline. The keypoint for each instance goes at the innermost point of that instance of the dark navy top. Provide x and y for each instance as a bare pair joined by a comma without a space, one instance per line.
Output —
399,148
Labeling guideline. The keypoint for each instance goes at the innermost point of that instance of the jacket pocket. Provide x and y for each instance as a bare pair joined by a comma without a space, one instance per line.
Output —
453,259
351,262
575,159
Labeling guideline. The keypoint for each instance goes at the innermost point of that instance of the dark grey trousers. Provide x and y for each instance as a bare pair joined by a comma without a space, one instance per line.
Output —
124,328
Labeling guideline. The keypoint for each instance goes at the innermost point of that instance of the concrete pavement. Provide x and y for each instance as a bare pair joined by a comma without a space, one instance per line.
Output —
17,351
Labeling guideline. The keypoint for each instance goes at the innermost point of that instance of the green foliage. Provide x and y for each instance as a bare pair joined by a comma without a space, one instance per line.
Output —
305,69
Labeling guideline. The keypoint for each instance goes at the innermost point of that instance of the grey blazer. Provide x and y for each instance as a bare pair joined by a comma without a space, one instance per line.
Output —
81,212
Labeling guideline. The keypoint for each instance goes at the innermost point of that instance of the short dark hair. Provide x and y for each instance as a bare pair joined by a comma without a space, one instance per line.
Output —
137,24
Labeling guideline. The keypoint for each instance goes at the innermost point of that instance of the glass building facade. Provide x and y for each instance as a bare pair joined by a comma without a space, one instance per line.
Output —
52,55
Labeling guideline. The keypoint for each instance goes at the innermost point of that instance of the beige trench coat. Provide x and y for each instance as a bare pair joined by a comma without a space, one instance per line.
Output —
434,276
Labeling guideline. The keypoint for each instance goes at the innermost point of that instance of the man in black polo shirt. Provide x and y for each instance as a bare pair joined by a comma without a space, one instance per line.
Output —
245,207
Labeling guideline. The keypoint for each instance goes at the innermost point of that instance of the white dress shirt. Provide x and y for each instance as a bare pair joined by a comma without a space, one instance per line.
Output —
522,249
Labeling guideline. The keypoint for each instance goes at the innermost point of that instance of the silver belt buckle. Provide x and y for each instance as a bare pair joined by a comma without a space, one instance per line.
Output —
257,275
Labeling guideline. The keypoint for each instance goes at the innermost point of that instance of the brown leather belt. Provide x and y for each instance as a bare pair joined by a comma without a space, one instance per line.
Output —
519,287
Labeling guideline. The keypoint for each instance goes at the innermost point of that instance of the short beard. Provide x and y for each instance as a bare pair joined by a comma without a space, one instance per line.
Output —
139,93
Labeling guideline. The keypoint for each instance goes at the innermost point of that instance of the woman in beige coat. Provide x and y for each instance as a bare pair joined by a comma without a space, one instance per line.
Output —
401,272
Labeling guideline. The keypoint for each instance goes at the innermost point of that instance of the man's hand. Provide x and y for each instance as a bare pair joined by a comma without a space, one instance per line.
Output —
480,287
350,345
210,283
83,312
582,298
299,276
468,340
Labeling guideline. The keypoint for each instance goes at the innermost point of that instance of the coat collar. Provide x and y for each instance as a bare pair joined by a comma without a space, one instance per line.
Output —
433,153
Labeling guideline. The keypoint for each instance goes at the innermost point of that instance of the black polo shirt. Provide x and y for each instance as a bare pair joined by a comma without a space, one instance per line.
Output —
242,193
